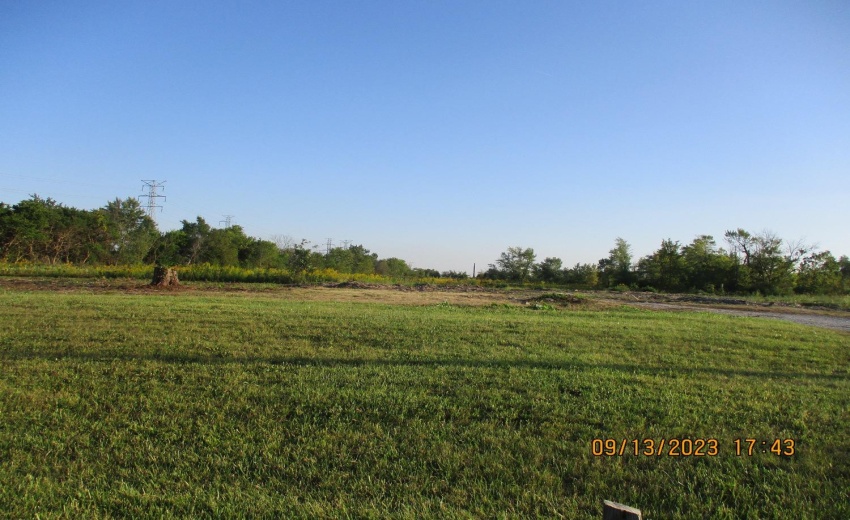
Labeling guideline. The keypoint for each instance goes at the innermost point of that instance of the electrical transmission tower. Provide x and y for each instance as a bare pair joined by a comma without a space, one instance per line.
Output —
151,195
226,221
345,243
330,246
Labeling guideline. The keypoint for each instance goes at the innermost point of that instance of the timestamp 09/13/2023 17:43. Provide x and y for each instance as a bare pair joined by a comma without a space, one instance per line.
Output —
687,447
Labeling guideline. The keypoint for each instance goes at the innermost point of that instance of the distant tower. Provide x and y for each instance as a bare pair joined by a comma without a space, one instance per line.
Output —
226,221
151,195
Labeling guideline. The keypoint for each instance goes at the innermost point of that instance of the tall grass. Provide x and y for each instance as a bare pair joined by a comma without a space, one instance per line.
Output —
217,273
76,271
228,274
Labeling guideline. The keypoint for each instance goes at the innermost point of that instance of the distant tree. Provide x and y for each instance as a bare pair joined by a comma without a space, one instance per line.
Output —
363,261
844,269
550,270
198,242
6,230
301,260
422,272
764,266
353,259
283,242
28,229
168,248
492,273
221,247
261,253
582,274
664,269
819,273
617,268
79,238
43,230
696,263
194,236
457,275
131,233
339,259
516,263
394,267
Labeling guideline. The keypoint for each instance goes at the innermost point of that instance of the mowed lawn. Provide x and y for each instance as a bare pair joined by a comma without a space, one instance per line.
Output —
256,405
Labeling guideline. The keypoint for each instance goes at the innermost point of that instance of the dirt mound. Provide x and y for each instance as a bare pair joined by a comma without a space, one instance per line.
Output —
715,300
352,285
559,299
427,287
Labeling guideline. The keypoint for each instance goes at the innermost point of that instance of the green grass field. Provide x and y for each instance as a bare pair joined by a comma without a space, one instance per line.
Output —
213,404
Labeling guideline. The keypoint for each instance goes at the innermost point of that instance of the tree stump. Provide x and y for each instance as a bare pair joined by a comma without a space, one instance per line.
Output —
615,511
164,277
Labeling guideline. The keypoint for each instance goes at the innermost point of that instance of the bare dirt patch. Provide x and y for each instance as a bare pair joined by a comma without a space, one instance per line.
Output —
816,317
90,285
806,318
396,295
421,294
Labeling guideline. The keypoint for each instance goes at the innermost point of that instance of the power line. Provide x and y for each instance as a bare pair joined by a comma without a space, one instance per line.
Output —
14,189
54,180
151,195
51,194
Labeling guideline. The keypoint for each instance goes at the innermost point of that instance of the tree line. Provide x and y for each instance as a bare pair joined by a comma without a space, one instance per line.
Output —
41,230
753,263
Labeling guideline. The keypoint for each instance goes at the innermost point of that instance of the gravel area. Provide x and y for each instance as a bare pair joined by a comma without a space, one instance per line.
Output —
816,320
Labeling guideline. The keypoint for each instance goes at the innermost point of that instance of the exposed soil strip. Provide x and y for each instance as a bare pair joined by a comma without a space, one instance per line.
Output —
815,320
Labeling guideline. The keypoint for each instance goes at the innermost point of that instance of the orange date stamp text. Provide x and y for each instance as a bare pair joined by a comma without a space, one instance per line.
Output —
684,447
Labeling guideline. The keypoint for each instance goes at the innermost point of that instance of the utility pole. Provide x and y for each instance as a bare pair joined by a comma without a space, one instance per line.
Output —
330,246
345,243
151,195
226,221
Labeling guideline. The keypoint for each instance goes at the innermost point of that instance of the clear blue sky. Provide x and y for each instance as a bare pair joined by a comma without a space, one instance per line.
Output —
439,132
